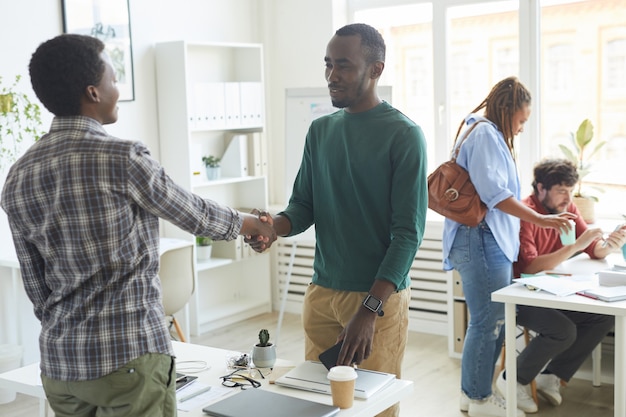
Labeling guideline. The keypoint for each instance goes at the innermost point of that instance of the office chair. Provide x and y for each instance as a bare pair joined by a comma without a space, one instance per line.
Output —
177,273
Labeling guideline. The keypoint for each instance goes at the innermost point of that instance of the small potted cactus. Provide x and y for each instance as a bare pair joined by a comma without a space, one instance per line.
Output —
264,352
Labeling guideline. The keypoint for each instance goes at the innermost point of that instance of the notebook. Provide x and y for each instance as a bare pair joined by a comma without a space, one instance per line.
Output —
311,376
261,403
608,294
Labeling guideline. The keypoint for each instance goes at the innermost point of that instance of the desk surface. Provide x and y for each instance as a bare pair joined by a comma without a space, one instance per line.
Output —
519,294
26,380
580,264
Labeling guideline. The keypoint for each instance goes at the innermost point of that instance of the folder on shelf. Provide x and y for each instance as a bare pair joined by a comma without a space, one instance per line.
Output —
235,159
209,111
251,95
232,104
255,159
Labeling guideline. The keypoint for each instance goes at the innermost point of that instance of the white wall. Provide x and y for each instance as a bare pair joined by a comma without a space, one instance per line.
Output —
295,36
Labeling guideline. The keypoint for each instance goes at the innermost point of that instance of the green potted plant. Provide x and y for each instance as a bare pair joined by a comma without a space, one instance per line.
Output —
212,164
264,352
203,247
20,122
580,153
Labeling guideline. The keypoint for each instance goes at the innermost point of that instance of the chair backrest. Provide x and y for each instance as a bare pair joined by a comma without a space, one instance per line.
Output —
177,277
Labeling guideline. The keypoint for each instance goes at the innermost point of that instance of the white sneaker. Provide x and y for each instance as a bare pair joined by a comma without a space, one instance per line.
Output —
493,406
549,385
464,402
525,401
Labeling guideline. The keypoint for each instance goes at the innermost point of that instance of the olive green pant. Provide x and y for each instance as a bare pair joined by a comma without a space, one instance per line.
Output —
326,312
143,387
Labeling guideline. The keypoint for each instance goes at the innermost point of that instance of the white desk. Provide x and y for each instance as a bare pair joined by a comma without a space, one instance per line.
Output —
18,324
26,380
518,294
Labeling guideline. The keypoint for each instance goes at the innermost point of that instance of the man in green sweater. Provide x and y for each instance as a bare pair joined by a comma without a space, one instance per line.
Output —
362,182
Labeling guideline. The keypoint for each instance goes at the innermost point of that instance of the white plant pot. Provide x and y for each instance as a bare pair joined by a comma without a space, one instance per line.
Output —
264,356
203,252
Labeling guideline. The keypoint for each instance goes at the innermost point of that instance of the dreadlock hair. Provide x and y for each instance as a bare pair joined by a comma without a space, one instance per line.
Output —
557,171
372,41
506,97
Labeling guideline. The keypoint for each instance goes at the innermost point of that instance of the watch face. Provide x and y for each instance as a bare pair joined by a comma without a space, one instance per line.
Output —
372,303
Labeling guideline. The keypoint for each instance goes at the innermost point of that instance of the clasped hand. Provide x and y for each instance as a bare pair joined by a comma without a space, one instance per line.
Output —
259,233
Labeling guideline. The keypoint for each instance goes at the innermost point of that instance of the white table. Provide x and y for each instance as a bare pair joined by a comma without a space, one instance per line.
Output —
26,380
517,294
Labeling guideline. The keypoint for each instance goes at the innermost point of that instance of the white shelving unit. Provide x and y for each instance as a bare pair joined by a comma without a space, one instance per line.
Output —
210,95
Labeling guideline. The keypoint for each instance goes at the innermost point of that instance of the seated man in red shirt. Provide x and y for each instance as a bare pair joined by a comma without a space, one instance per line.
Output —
564,338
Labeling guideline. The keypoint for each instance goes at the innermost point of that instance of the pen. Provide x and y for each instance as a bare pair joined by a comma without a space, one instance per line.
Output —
593,297
558,273
194,394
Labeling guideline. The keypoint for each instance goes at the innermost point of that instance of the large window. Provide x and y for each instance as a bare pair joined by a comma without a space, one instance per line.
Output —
583,76
446,54
407,30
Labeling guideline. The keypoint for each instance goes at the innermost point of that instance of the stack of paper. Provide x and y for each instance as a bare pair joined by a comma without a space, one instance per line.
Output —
612,277
560,286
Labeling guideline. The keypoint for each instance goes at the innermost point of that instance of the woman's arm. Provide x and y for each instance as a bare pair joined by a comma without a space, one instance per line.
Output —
554,221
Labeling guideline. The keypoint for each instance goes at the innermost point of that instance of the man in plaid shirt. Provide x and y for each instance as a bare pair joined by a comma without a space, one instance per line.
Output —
84,211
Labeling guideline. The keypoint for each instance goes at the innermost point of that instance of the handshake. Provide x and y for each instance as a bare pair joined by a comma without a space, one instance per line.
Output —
258,230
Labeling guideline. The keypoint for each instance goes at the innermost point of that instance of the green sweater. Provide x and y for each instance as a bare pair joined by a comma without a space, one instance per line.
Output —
362,182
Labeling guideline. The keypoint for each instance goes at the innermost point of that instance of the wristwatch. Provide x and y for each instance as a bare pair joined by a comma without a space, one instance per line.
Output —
374,305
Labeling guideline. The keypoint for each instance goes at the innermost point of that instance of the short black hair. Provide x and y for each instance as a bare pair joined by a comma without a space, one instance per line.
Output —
62,68
551,172
372,41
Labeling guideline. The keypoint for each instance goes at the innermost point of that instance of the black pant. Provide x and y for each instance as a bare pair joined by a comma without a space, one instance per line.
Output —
564,339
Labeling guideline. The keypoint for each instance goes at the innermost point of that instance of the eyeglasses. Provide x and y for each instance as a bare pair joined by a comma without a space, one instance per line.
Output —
236,379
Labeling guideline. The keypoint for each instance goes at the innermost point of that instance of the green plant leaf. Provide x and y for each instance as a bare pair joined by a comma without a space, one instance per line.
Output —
584,134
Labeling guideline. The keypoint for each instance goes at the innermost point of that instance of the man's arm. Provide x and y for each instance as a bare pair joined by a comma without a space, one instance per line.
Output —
362,325
552,260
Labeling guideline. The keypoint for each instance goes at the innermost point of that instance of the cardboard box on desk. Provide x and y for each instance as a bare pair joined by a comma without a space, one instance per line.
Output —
612,278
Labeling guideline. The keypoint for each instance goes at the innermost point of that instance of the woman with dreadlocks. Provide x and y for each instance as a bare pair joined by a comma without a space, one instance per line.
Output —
483,255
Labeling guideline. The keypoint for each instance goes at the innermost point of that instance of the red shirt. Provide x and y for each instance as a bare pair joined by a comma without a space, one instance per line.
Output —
536,241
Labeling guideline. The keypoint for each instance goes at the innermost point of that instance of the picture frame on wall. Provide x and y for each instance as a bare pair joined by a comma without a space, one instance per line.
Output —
109,21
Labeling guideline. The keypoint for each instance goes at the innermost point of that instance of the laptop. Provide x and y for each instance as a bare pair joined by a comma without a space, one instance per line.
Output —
261,403
311,376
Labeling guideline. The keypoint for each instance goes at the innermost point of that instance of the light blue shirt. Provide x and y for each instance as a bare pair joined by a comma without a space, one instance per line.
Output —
491,168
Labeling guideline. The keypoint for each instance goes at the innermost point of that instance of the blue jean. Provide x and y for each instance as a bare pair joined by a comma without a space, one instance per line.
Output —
483,268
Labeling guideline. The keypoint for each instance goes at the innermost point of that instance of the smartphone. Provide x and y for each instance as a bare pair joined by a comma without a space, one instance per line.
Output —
329,357
617,228
184,380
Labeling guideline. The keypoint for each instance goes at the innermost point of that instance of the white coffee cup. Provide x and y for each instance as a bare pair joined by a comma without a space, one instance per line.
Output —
342,379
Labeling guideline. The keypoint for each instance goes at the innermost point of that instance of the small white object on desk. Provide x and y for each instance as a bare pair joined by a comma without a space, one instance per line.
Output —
198,395
612,277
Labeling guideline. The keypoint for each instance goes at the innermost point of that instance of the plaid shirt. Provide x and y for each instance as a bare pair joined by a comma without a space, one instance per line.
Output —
84,208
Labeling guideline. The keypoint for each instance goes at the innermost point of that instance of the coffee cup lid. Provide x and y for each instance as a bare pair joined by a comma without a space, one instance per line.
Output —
342,373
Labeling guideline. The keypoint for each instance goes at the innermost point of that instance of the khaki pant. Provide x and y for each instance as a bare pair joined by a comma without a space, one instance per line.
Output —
327,311
143,387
